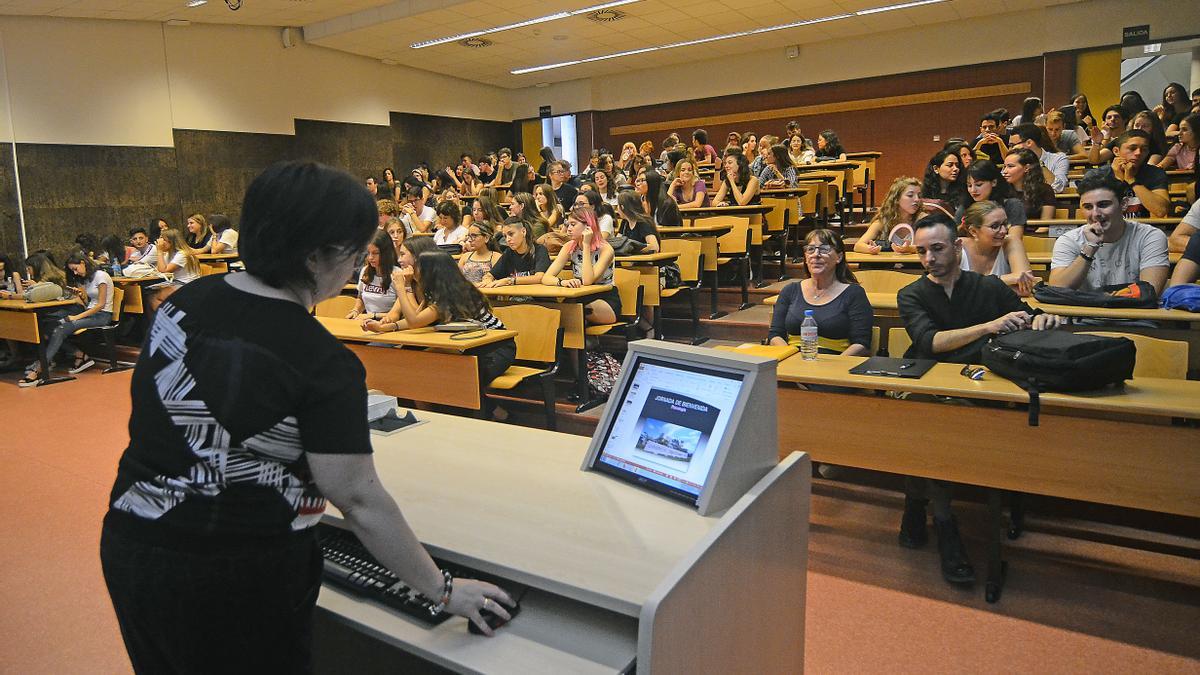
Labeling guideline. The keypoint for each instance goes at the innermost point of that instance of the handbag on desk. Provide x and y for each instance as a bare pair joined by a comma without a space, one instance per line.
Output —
43,291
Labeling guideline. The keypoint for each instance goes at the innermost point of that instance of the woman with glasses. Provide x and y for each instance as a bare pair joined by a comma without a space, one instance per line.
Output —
479,252
840,306
987,248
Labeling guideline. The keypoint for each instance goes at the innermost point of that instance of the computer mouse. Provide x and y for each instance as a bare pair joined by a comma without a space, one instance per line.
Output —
493,620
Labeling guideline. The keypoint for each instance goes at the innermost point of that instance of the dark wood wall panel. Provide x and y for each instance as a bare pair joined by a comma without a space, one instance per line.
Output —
216,167
10,224
71,189
362,149
904,134
440,141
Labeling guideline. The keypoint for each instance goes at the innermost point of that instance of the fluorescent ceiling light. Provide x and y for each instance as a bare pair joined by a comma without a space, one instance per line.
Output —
196,3
727,36
519,24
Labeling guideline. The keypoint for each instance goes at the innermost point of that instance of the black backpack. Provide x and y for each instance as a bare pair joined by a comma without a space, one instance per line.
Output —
1054,360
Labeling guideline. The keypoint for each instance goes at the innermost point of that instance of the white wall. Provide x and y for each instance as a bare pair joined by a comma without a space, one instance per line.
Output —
78,81
1079,25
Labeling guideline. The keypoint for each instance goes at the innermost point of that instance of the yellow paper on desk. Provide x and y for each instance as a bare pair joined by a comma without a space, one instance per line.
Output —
777,352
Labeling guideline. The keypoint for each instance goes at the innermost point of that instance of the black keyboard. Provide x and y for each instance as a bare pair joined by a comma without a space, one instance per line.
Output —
348,565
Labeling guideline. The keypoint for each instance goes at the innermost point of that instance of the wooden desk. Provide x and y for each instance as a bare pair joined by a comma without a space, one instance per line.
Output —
755,213
19,322
569,303
708,235
614,572
886,259
832,165
219,262
134,302
1084,447
429,367
785,192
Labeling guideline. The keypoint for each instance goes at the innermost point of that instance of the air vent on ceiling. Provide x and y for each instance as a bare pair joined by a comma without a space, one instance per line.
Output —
606,15
476,43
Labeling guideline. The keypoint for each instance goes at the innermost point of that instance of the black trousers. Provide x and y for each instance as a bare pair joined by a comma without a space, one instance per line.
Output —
494,359
233,611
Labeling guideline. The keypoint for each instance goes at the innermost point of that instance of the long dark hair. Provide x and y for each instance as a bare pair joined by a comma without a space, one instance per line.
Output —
1087,109
520,181
114,247
1169,111
75,257
985,170
1034,189
655,194
631,206
842,270
1133,103
611,190
600,206
931,187
530,214
387,261
491,212
530,244
743,172
446,289
779,151
833,146
42,268
1029,109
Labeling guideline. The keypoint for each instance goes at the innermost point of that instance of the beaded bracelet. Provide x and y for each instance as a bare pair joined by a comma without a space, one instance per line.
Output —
447,588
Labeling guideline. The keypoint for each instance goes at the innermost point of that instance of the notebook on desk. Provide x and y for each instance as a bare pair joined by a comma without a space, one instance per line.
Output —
886,366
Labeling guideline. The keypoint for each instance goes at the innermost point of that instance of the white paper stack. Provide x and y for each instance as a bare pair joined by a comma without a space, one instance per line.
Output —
379,405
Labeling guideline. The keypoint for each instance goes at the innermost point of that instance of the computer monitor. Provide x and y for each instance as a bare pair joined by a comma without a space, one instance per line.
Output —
692,423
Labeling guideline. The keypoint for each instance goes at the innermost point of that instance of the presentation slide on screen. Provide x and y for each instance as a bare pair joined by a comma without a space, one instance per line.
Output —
670,423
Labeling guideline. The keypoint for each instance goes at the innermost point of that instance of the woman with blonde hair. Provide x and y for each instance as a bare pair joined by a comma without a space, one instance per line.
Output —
892,227
199,233
176,258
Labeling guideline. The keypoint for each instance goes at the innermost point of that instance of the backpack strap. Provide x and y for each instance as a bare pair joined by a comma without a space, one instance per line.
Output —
1035,403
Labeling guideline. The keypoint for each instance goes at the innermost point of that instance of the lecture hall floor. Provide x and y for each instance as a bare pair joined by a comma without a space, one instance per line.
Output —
1071,605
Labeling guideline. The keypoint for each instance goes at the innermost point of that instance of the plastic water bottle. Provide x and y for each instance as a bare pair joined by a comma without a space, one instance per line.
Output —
808,337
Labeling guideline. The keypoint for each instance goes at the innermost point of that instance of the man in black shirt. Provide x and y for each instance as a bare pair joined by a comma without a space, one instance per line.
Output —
949,314
1148,182
989,142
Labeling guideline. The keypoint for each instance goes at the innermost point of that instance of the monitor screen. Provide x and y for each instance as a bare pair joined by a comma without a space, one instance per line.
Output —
669,424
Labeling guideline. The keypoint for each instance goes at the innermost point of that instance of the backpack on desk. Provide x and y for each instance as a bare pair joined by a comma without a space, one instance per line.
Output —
1054,360
1138,295
1183,296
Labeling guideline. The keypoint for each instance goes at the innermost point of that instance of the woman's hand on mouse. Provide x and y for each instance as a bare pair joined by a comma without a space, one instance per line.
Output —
470,596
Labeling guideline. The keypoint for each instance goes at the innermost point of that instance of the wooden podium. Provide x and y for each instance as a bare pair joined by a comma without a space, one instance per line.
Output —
615,574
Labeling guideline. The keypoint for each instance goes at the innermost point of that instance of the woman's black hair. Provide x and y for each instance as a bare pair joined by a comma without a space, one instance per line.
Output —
78,255
931,186
782,160
447,290
1087,108
387,261
294,210
1035,191
520,181
598,205
491,212
1029,109
1133,103
530,244
938,218
9,269
418,245
444,181
833,146
547,154
114,247
154,227
631,206
743,172
986,170
451,209
655,193
612,187
1193,122
219,222
1169,111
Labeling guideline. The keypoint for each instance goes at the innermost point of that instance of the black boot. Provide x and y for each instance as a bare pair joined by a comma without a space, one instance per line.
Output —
956,567
913,533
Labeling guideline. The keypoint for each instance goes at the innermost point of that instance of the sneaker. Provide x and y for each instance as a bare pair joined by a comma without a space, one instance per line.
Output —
30,380
81,366
956,567
913,532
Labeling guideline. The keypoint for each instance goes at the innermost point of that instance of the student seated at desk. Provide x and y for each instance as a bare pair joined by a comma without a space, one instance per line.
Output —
945,182
1188,268
445,296
505,169
177,259
986,183
479,252
1184,231
525,210
892,227
1023,172
416,215
547,205
829,147
449,228
656,203
199,234
1065,140
1182,155
800,151
591,261
606,186
111,257
94,288
777,171
523,262
226,237
141,247
524,178
1108,249
739,187
840,306
687,189
949,314
11,278
1055,165
635,224
987,248
397,233
376,295
705,153
605,215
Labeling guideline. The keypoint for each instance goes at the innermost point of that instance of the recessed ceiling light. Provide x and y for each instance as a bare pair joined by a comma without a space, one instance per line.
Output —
727,36
520,24
195,3
560,38
178,22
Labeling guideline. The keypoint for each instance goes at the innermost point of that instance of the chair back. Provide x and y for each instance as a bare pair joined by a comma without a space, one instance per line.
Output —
884,281
1156,357
537,330
1063,214
810,202
207,269
736,240
898,341
117,303
688,260
1035,244
874,340
858,175
629,285
336,307
774,221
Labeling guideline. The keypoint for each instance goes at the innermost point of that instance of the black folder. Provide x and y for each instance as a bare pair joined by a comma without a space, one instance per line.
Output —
886,366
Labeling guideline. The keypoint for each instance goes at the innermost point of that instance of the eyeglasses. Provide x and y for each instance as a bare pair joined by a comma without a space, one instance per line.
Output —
1002,225
473,235
823,249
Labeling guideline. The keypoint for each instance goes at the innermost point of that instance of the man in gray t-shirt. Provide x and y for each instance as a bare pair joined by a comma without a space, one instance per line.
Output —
1108,249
